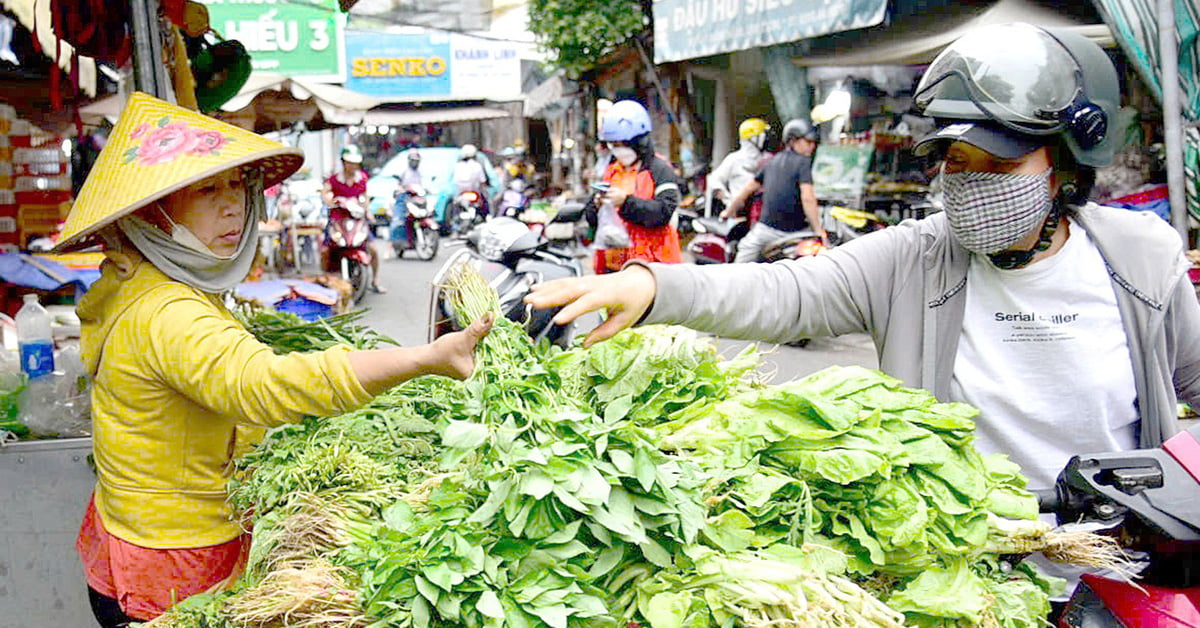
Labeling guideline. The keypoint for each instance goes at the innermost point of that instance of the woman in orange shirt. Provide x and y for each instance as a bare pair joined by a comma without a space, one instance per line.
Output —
642,186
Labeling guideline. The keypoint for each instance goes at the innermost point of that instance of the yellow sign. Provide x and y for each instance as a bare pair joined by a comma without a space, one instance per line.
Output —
402,66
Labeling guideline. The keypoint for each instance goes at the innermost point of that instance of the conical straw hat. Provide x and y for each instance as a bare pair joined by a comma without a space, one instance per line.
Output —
157,148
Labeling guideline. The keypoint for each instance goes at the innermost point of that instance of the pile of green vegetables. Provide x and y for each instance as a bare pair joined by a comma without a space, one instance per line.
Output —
645,481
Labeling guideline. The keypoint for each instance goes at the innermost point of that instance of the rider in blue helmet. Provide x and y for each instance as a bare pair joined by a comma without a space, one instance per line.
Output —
644,189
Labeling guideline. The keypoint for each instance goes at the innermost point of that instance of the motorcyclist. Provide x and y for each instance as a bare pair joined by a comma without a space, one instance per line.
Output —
470,175
412,174
789,199
1073,327
642,187
740,167
348,187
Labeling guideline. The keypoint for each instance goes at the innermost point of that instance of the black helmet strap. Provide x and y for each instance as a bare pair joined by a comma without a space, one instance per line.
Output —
1008,260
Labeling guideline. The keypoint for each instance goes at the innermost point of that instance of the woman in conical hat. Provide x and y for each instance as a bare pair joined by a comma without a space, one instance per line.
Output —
175,198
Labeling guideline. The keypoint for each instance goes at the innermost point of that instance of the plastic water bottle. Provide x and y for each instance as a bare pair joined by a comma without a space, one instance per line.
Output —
34,338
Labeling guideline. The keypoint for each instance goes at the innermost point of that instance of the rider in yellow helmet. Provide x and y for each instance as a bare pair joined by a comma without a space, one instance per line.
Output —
739,167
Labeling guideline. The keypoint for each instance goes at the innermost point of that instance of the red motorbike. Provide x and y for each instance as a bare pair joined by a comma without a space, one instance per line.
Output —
1150,501
347,250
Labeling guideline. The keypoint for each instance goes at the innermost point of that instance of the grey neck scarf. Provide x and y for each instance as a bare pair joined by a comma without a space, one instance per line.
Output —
200,269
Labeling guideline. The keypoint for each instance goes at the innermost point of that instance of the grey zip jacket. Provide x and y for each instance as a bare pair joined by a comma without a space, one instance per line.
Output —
905,286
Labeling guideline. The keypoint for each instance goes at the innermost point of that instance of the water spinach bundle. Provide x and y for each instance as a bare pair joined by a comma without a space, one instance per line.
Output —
646,481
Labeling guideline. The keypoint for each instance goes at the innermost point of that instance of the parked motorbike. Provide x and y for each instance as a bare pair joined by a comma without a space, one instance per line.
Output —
304,220
567,228
513,259
1150,500
466,212
347,250
413,226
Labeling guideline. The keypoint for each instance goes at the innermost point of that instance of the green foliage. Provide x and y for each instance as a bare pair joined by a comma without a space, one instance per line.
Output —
577,33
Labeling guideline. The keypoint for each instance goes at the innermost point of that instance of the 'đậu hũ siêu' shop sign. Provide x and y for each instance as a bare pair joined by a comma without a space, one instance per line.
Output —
431,66
687,29
296,39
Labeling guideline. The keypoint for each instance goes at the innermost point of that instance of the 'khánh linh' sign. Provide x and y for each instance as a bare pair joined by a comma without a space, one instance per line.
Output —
295,39
686,29
431,66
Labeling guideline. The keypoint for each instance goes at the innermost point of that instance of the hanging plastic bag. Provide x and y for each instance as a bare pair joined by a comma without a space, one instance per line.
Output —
610,229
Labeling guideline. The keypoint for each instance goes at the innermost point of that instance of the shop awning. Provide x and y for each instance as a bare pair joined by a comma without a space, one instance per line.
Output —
548,99
281,99
337,104
916,41
390,117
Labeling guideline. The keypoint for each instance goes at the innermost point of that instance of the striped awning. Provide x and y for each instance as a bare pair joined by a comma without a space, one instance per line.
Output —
1135,24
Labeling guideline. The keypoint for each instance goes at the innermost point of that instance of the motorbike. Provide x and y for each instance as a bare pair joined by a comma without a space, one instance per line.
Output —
567,228
304,220
513,259
716,239
348,253
466,212
514,200
842,225
1150,501
413,226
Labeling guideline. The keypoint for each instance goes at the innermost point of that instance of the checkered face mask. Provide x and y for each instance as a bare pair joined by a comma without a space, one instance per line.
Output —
991,211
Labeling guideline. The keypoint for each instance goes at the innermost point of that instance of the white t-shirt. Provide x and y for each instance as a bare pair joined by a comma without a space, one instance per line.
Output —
1044,356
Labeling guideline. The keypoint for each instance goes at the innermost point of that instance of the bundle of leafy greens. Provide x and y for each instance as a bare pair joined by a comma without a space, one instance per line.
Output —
644,481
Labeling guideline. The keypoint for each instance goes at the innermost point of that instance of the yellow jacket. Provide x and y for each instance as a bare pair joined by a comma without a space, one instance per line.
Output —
174,373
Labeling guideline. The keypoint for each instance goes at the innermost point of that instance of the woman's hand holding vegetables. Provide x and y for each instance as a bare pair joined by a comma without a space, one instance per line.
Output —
452,355
625,296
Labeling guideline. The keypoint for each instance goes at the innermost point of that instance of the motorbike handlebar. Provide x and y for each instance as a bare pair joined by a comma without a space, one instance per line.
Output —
1047,500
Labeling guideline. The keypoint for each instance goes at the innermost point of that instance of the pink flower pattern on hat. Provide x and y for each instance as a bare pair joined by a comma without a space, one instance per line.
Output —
166,141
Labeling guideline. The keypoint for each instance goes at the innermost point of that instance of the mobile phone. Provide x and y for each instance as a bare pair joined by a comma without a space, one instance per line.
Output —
600,187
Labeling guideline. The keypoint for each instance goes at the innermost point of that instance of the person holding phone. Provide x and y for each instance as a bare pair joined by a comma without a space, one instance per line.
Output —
642,187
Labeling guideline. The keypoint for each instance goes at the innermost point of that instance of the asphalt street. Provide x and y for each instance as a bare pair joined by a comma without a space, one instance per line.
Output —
403,314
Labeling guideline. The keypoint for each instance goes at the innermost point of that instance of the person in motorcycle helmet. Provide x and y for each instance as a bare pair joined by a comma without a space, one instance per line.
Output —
643,187
412,173
470,175
349,185
789,200
742,165
1073,327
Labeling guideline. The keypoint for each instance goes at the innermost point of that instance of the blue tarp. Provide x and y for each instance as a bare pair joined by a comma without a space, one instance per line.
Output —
25,270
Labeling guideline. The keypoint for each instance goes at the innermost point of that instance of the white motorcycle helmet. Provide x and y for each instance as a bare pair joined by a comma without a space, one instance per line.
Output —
467,151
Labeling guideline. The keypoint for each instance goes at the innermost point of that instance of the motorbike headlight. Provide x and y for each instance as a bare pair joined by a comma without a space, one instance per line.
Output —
338,238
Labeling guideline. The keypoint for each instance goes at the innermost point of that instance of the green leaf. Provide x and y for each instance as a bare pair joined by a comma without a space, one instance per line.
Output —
441,575
489,605
731,531
536,484
618,409
644,469
655,553
622,461
567,533
605,562
498,492
464,434
420,612
555,616
667,610
398,516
